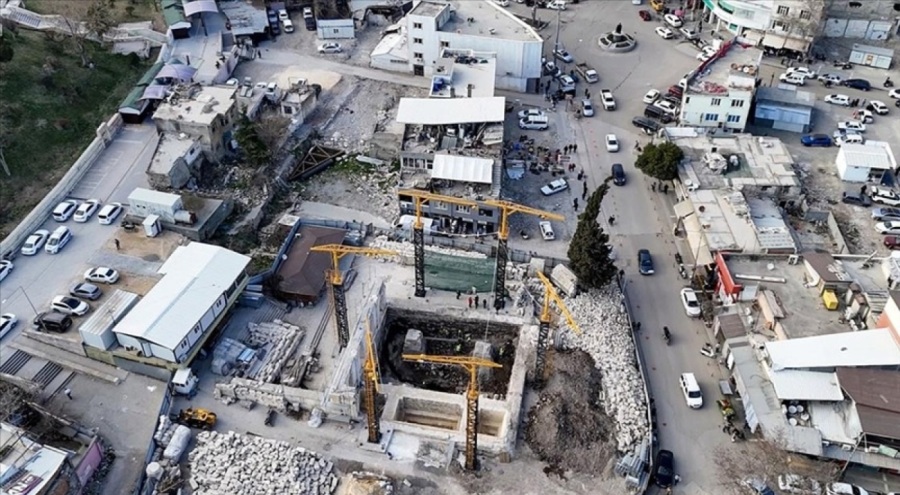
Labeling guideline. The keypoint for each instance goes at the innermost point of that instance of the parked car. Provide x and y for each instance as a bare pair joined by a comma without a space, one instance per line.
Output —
524,114
651,96
645,15
667,107
85,290
664,469
587,108
69,306
886,213
563,55
65,210
894,93
557,186
878,107
823,140
103,275
52,322
690,302
830,78
690,33
6,267
842,137
502,3
35,242
664,33
330,48
86,210
803,72
857,199
566,83
851,125
693,396
58,240
798,485
673,20
884,195
892,242
649,126
892,228
645,262
547,231
837,488
109,213
857,84
838,99
612,143
795,79
8,321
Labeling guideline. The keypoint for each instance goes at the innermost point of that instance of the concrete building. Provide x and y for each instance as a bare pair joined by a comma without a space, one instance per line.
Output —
481,26
200,284
868,162
720,92
784,108
789,25
873,20
461,74
207,114
176,160
453,147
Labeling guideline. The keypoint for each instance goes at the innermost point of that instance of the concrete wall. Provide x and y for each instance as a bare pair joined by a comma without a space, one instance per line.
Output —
56,341
105,133
335,29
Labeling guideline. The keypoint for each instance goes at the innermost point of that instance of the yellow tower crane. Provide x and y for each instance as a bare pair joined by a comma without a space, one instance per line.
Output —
471,364
507,208
550,294
419,198
337,282
373,387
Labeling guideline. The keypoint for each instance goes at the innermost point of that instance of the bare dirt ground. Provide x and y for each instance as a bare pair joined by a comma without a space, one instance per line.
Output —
355,51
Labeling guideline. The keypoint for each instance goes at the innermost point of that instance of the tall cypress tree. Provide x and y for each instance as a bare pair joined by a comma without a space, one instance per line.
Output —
590,255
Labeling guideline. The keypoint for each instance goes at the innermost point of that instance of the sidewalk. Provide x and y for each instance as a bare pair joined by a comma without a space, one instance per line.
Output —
72,361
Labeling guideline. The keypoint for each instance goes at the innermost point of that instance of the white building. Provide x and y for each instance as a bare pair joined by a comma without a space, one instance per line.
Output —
480,26
865,162
774,24
720,92
200,283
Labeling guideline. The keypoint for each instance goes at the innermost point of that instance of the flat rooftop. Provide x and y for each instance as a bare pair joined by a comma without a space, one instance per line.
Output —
729,221
429,9
804,313
201,107
762,161
457,76
736,69
487,20
171,147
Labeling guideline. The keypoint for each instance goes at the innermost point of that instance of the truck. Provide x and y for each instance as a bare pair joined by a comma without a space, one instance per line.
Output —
606,98
588,73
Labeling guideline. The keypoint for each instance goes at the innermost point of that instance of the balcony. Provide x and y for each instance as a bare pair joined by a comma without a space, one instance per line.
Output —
739,14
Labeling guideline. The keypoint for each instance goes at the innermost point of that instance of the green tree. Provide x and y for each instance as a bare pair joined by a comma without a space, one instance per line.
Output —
590,255
660,161
248,138
6,49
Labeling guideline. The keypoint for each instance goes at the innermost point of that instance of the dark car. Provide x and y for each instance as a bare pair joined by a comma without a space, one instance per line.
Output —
675,100
644,14
648,125
645,262
855,198
892,242
675,91
618,173
664,469
87,291
654,112
52,322
857,84
823,140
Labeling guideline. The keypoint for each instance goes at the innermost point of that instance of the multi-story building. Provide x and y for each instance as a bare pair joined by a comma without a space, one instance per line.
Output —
719,94
480,26
207,114
775,24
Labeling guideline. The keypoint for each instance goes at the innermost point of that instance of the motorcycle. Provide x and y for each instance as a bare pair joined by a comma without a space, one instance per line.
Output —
888,83
708,351
666,335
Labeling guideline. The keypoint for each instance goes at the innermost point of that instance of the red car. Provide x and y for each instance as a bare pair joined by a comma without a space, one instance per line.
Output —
644,14
892,241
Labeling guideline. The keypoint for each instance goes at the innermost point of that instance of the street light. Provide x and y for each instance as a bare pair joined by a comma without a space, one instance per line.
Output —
20,288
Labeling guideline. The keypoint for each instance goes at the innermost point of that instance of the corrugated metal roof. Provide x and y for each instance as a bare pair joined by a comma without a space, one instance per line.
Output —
156,197
866,156
198,6
445,111
109,313
806,385
877,397
864,348
463,168
303,272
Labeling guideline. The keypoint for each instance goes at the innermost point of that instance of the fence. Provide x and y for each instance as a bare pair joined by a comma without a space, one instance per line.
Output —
164,409
105,134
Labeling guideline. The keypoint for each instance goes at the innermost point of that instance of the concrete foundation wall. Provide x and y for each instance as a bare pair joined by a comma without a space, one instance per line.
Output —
57,341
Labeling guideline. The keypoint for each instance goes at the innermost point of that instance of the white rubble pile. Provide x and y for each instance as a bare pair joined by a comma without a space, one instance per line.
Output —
178,444
232,463
606,336
164,431
284,339
242,389
407,250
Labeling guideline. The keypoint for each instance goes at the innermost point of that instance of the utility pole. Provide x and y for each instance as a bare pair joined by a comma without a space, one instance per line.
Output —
556,43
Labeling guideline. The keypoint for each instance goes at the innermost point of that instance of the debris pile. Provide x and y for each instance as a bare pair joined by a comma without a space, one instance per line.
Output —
366,483
606,336
251,392
234,463
406,249
280,340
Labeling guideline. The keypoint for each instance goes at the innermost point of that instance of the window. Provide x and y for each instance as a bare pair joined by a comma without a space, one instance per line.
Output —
737,103
417,41
463,209
687,99
445,44
805,15
780,26
734,118
417,25
711,116
417,55
783,10
716,102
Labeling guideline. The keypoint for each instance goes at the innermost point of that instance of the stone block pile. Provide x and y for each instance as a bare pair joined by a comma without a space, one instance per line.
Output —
241,389
284,339
606,336
407,250
232,463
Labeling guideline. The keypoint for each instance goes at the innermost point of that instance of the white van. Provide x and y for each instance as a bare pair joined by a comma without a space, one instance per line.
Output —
535,122
58,240
691,390
843,139
287,25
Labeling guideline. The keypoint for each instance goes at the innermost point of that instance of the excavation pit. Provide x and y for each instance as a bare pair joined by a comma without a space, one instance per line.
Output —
429,413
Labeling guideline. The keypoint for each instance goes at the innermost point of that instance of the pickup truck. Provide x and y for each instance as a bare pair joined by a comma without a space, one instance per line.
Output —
606,98
589,74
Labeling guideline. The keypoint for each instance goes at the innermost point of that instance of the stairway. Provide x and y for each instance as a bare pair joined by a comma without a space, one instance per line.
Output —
497,178
15,362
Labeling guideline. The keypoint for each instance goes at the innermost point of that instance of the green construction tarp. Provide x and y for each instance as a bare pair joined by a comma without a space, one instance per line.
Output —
456,273
133,100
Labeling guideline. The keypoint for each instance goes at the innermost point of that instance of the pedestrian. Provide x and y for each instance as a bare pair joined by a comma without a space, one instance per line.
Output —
575,203
476,301
470,302
653,187
665,189
637,327
117,244
68,393
484,303
458,293
575,148
584,194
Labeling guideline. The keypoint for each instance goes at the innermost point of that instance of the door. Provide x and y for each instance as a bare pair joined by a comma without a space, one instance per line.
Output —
418,70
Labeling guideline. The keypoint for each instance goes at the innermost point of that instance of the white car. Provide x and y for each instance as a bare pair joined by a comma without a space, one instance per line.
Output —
830,78
665,33
879,107
707,53
612,143
557,186
803,72
673,20
884,195
798,485
69,306
566,83
842,100
102,274
86,210
35,242
845,489
690,302
587,108
330,48
502,3
282,15
6,267
556,5
888,228
109,213
651,96
65,210
8,321
531,112
666,106
852,126
547,231
795,79
894,93
563,55
690,33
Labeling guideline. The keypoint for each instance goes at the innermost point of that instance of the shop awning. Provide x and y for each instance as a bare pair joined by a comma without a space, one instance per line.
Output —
797,45
774,41
752,37
463,168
